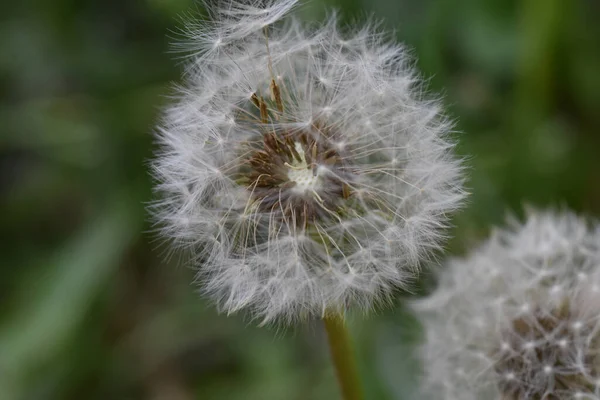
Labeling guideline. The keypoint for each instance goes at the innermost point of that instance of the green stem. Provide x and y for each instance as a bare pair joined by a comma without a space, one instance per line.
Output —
342,357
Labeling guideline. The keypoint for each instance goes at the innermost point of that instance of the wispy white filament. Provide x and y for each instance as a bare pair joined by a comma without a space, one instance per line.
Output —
519,318
353,215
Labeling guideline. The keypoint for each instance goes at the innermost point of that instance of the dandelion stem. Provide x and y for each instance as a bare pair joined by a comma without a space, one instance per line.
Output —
342,357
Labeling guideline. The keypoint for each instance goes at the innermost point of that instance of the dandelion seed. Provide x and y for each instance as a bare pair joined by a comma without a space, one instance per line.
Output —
547,350
311,174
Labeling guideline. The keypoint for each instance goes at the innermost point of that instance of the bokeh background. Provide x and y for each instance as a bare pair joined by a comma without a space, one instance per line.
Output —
91,307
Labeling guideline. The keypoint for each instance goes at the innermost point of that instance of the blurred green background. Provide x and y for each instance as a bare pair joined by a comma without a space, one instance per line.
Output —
90,307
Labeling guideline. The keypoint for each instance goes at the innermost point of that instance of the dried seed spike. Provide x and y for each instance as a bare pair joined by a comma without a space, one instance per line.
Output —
289,141
303,139
262,154
286,143
255,101
330,153
274,142
280,141
305,216
272,88
333,159
313,158
276,95
288,185
345,191
264,113
255,161
268,141
292,147
270,61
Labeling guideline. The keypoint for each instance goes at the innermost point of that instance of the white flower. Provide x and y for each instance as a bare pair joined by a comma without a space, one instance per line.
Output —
302,167
520,317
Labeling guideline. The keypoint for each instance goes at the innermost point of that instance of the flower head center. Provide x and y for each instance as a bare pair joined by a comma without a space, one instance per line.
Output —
302,174
298,176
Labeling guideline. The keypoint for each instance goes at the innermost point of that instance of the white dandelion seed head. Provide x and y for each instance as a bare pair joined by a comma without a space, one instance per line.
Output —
542,341
301,166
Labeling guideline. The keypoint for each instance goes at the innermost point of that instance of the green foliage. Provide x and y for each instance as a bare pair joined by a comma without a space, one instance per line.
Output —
93,306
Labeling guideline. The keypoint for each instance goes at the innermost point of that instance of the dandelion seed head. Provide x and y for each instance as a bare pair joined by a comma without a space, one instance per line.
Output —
543,340
311,175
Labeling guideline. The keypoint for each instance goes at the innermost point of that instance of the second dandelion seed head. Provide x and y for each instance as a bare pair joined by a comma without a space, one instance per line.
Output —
520,317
